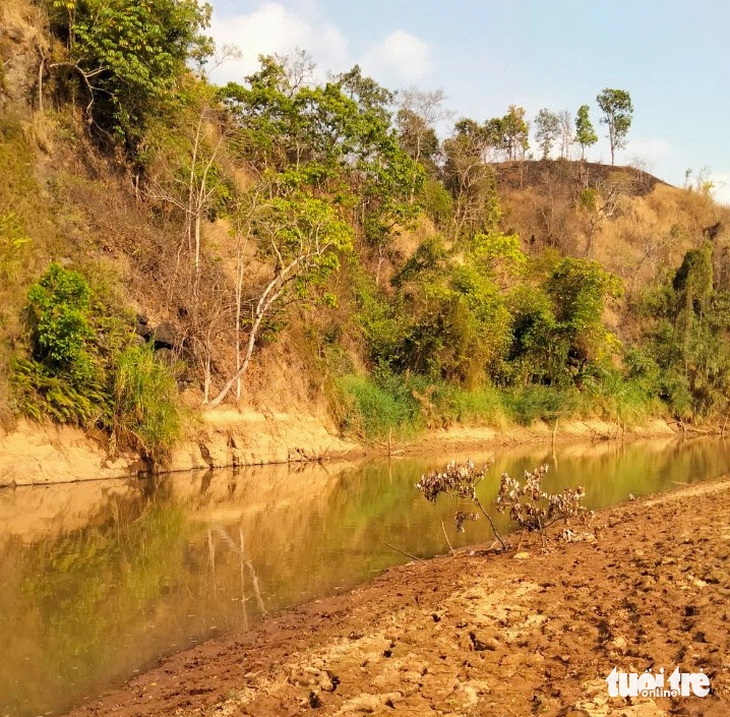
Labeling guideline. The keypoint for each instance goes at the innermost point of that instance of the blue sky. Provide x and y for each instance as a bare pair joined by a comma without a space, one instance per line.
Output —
673,56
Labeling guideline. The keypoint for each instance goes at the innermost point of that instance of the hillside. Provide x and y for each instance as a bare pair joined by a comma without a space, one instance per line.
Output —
167,246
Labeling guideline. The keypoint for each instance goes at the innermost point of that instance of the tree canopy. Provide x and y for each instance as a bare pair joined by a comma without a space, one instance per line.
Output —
618,112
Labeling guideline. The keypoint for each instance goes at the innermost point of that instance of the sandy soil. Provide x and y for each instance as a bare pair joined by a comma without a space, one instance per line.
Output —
482,634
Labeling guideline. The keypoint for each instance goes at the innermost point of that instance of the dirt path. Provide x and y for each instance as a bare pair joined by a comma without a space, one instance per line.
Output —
486,635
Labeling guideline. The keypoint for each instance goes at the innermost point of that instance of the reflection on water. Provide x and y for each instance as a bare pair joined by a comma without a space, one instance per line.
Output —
99,580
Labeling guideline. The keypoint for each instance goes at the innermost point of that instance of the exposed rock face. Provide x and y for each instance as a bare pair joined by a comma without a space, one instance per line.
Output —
22,47
229,437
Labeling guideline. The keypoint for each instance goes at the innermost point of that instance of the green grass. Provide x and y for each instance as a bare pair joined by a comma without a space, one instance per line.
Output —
404,406
373,410
147,411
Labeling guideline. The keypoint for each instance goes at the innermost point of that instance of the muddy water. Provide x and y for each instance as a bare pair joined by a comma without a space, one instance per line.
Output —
99,580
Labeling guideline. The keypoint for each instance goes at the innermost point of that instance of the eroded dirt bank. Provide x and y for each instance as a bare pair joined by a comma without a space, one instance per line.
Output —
486,635
40,454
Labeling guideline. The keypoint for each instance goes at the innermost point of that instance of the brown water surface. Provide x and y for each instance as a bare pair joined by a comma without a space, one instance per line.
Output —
99,580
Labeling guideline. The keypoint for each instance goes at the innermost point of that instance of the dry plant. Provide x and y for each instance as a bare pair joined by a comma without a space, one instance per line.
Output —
533,509
459,480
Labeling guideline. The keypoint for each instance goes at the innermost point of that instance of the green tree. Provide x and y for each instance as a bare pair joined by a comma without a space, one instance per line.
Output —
338,138
585,135
516,132
618,112
128,54
547,130
417,116
470,179
579,290
58,313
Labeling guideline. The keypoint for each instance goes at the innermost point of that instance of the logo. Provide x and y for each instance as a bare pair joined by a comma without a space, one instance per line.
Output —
649,684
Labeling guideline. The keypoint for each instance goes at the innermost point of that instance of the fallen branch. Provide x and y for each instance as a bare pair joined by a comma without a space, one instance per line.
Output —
403,552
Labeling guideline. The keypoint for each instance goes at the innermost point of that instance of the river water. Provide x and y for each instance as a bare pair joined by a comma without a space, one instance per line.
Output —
99,580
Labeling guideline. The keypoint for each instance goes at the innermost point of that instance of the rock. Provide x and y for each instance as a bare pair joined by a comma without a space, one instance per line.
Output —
141,328
166,356
164,336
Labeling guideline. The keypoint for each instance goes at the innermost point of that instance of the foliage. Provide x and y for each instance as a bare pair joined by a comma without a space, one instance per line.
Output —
687,338
533,509
337,138
82,369
146,408
547,130
129,54
58,315
376,408
585,135
534,402
39,393
579,290
617,115
509,134
470,180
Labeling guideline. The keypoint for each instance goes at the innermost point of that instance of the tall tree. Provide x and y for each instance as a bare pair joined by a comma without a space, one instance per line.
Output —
302,238
617,114
585,135
516,132
419,112
470,179
547,130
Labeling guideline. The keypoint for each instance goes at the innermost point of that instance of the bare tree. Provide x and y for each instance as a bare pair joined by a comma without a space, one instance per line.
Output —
301,236
566,133
192,189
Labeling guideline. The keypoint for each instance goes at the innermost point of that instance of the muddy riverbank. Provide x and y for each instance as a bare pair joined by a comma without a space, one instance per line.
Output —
476,634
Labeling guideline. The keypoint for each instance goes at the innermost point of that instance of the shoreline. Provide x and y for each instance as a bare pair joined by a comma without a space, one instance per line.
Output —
35,454
506,633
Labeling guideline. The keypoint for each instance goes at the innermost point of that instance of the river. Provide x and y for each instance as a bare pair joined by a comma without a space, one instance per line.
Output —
99,580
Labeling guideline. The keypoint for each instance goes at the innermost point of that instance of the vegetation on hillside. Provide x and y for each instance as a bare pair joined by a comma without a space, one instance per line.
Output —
423,280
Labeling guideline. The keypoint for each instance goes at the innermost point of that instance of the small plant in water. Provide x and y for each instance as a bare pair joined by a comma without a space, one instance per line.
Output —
459,480
533,509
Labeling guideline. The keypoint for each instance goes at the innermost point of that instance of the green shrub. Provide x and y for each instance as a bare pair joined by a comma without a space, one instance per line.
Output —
82,370
147,412
38,394
483,405
375,409
534,403
58,315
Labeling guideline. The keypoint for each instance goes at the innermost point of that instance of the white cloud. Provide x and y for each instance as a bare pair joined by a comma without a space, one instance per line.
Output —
721,188
273,28
283,26
401,56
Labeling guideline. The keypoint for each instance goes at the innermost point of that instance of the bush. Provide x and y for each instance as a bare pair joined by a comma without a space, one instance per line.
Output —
534,403
482,405
146,408
82,370
38,393
531,508
58,315
375,409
